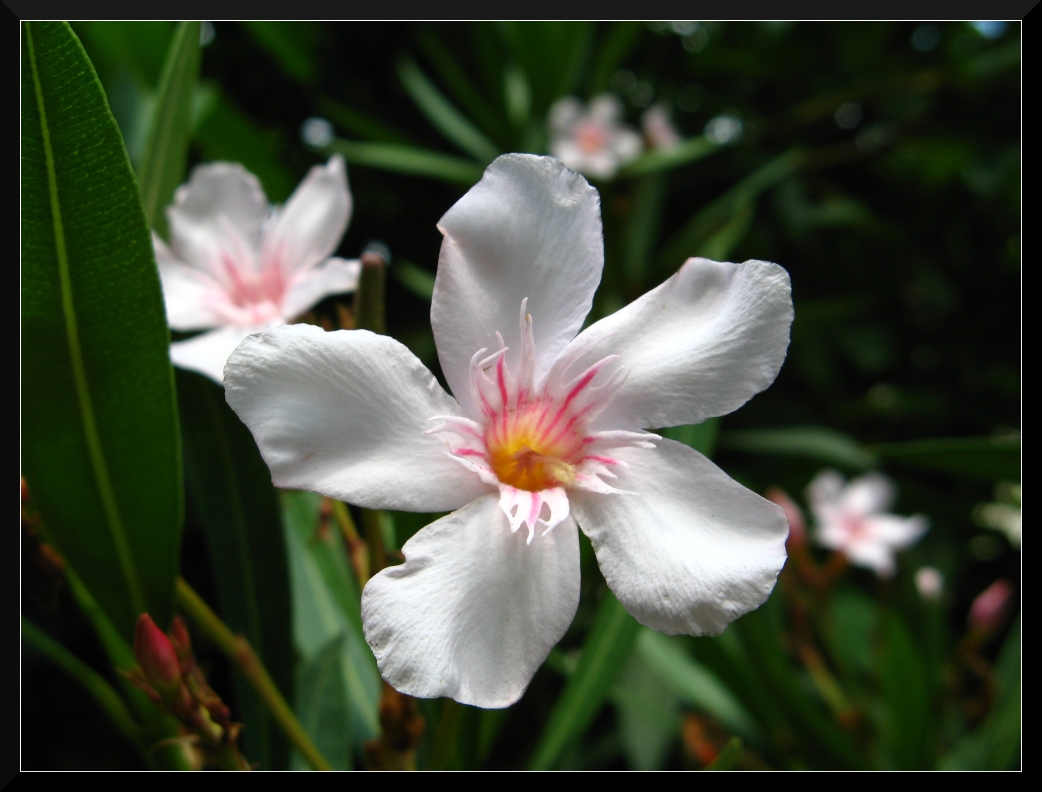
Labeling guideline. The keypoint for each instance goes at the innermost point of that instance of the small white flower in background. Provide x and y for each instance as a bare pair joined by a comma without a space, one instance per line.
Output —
852,518
317,132
592,140
929,583
658,128
545,434
1005,515
235,265
723,129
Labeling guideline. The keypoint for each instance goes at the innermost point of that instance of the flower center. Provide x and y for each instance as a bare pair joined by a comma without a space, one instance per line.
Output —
591,136
536,447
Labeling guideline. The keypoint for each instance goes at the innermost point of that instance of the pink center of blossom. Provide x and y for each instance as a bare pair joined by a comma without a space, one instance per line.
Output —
533,440
592,136
252,295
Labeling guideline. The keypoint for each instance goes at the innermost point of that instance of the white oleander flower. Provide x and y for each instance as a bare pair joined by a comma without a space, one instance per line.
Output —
592,140
235,265
852,518
545,433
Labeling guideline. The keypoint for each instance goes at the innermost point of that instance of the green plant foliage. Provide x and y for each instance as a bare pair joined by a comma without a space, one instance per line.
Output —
989,458
101,448
824,445
230,488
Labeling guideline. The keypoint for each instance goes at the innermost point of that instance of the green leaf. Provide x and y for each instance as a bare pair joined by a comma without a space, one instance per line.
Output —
658,160
811,442
642,228
414,278
440,112
728,755
163,162
322,706
553,55
101,449
695,683
90,680
988,458
620,40
648,712
607,647
409,159
291,44
358,123
905,694
326,605
702,437
230,488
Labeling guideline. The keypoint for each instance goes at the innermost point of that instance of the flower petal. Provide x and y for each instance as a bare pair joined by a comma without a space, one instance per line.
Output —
896,531
474,610
188,292
308,228
869,494
690,552
530,228
221,210
207,353
344,414
336,276
700,345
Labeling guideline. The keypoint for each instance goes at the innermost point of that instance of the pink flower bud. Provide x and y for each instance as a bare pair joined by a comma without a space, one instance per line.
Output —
989,610
156,656
797,527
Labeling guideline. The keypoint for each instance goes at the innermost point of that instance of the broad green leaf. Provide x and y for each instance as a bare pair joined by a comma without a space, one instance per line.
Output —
409,159
607,647
906,697
440,112
657,160
229,487
811,442
101,448
163,162
90,680
695,683
988,458
649,714
553,55
322,706
326,605
849,630
291,44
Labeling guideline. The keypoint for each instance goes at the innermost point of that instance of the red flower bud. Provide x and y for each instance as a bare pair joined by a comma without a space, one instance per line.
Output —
156,656
797,527
988,611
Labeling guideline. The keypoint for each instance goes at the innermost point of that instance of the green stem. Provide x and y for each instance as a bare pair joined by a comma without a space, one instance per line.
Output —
369,304
239,651
93,682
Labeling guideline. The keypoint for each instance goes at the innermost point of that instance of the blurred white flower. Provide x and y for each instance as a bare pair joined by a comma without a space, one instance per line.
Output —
546,432
852,518
658,128
235,265
723,129
929,582
317,132
592,140
1005,515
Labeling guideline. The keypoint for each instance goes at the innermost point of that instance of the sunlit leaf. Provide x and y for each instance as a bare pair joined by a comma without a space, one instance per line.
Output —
321,706
101,448
649,714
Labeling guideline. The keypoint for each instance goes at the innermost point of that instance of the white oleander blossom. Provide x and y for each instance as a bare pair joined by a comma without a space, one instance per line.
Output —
659,130
852,518
546,435
592,140
236,265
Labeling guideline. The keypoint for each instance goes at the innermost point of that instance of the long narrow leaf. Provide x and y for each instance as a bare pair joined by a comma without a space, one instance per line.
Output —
101,446
988,458
608,645
163,162
409,159
446,118
658,160
811,442
230,489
